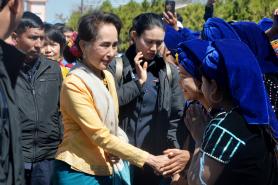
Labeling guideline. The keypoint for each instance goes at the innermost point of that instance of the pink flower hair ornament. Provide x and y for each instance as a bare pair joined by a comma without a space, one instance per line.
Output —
73,48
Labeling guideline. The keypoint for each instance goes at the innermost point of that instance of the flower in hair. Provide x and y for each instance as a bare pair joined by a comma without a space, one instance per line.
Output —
72,39
74,50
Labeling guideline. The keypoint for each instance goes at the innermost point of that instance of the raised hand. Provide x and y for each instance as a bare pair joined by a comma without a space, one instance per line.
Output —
141,70
170,19
178,161
196,121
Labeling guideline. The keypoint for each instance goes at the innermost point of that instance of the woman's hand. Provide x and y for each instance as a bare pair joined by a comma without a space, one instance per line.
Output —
196,121
170,19
156,162
178,161
141,70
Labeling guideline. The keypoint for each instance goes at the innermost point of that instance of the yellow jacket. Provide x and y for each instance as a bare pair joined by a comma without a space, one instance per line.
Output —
64,71
86,138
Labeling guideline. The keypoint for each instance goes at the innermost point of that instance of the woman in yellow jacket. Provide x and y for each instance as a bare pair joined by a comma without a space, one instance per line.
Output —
89,107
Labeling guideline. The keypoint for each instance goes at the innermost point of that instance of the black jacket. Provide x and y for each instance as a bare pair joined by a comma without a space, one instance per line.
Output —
11,159
169,107
38,103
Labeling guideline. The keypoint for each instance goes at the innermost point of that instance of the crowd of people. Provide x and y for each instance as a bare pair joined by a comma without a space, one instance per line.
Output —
178,107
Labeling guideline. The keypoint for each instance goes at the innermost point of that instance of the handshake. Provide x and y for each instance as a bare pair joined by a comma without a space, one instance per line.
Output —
171,163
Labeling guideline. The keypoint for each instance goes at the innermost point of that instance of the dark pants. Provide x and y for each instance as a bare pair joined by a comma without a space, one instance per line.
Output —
146,176
39,173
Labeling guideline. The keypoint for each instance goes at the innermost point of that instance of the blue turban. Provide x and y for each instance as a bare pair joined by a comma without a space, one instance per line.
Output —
216,28
242,75
173,37
191,53
265,23
196,34
255,38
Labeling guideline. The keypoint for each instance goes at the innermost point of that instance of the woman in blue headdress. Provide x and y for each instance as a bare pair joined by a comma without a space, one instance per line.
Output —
237,147
247,32
190,58
256,39
191,54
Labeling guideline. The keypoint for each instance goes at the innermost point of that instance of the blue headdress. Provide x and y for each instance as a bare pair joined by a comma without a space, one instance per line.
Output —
231,63
191,53
265,23
173,37
216,28
255,38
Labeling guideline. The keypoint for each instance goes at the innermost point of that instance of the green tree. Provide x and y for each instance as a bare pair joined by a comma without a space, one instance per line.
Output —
146,5
192,16
106,6
73,19
251,10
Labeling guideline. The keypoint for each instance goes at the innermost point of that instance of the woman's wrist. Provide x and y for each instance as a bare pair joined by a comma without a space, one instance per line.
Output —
150,160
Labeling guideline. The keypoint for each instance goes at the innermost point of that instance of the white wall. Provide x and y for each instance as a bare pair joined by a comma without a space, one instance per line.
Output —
37,7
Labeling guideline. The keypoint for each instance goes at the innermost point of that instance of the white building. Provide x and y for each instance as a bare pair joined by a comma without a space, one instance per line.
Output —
37,6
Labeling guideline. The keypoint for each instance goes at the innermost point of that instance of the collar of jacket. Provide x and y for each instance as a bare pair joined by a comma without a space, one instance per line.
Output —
10,51
41,65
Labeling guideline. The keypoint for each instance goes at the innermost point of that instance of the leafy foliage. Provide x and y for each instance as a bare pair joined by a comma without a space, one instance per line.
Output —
251,10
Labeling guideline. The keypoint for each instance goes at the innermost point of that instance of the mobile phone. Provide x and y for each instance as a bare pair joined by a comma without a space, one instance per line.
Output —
170,6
